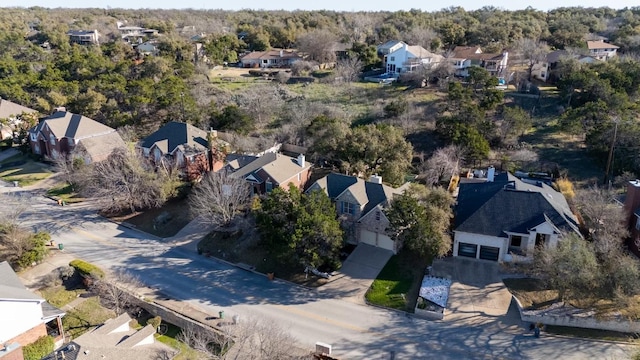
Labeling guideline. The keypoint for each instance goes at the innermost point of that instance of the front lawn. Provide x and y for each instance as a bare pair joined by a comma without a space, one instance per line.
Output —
24,170
59,296
64,192
185,352
398,284
85,316
165,221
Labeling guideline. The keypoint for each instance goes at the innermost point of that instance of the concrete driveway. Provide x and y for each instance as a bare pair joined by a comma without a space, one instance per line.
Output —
477,288
358,272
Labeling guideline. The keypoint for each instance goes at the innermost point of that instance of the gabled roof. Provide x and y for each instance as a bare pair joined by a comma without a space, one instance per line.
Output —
600,44
509,204
255,165
389,44
73,126
100,147
176,135
10,109
11,288
283,168
475,53
368,194
421,53
237,161
272,54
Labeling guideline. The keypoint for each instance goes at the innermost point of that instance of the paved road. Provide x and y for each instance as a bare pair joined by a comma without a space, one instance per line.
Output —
355,331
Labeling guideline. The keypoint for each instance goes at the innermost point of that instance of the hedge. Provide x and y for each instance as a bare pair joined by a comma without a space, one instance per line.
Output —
38,349
86,269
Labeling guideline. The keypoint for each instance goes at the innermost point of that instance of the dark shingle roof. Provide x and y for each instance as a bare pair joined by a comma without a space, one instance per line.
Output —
175,134
509,204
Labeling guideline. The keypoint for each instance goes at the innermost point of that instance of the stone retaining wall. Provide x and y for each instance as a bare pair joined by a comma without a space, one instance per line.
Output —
561,316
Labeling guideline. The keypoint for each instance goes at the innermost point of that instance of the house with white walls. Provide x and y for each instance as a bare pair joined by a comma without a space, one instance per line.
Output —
503,218
602,50
410,58
464,57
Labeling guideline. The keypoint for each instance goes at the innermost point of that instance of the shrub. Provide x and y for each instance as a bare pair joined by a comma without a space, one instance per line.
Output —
39,349
38,250
86,269
155,322
565,187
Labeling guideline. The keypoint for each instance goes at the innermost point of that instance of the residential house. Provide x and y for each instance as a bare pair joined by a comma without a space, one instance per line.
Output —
148,47
25,316
84,37
360,205
115,339
544,70
389,47
632,214
342,50
464,57
63,132
185,147
602,50
504,218
9,114
134,34
409,58
270,171
274,58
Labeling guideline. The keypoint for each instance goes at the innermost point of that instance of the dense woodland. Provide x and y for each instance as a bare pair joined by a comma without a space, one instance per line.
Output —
114,85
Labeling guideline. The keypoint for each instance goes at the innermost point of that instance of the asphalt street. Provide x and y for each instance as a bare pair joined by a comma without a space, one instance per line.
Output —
355,331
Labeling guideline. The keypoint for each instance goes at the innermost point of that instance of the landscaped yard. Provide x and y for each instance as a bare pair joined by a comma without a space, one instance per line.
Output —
24,170
64,192
398,283
59,296
169,338
85,316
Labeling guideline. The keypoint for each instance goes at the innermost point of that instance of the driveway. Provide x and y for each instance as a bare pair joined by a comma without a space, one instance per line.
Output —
358,272
476,290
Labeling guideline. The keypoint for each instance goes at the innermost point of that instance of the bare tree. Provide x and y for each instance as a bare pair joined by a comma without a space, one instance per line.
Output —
125,180
532,51
318,45
349,69
260,102
219,197
117,290
420,36
201,340
443,163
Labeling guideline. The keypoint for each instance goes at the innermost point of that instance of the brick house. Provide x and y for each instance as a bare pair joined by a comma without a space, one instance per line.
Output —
360,205
30,317
63,132
271,170
184,147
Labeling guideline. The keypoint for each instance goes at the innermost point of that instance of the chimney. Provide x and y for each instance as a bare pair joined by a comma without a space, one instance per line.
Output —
376,179
281,53
632,200
301,161
491,173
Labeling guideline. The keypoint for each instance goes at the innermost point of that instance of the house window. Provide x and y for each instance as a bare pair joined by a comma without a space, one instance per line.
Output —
52,139
377,215
542,74
265,61
34,137
347,208
392,58
269,186
516,241
638,223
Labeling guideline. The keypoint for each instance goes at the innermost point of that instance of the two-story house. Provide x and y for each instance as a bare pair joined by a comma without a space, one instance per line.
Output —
360,205
84,37
409,58
545,70
184,147
505,218
270,171
389,47
64,132
464,57
602,50
24,316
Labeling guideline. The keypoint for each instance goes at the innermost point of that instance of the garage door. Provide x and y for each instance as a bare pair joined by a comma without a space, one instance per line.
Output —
489,253
468,250
375,239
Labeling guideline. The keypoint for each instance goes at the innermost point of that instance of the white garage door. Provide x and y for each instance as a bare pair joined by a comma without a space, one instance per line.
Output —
375,239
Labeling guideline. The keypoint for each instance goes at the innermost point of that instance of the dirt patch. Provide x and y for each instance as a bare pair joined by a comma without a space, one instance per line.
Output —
165,221
229,72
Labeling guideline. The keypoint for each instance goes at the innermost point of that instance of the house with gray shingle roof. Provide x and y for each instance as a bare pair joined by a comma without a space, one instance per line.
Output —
63,132
360,205
270,171
115,339
506,218
10,115
24,316
184,147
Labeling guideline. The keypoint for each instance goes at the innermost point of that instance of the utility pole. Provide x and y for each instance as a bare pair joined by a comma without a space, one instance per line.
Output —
182,104
613,144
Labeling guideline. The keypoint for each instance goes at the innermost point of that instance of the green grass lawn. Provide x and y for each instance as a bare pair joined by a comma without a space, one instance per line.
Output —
85,316
26,174
59,296
398,283
185,352
64,192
